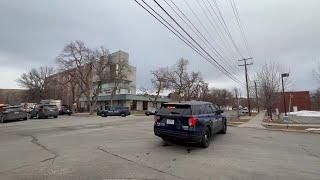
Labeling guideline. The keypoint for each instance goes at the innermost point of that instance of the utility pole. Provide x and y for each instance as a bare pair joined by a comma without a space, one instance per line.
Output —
245,64
257,100
283,94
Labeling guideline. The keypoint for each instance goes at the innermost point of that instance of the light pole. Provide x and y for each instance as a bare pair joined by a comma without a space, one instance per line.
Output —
284,98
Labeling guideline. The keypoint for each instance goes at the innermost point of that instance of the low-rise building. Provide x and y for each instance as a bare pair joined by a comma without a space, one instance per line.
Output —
125,94
294,101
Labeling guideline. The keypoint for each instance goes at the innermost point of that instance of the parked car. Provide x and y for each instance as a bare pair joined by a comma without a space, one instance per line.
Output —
65,109
52,102
244,110
11,113
151,111
115,111
44,111
193,122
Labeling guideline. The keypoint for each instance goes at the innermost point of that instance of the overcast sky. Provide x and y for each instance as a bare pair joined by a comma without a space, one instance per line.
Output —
33,33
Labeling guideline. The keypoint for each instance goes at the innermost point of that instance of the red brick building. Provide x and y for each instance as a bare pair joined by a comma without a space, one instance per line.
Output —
299,99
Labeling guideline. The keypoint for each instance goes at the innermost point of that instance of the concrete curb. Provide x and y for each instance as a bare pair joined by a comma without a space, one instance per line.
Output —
283,130
293,130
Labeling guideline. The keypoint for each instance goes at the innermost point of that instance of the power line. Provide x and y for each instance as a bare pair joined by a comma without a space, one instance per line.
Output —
214,21
191,38
186,41
224,43
226,28
237,16
196,31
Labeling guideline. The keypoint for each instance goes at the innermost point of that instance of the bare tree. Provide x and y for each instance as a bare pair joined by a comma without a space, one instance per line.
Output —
159,82
119,75
177,78
269,80
193,85
36,81
86,68
222,97
101,69
202,91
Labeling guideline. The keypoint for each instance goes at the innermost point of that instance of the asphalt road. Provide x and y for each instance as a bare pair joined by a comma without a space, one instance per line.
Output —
125,148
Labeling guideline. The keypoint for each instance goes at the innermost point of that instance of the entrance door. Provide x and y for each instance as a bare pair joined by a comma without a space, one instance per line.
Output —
145,105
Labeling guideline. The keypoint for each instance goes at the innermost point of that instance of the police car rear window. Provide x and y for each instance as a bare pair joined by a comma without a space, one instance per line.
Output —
180,109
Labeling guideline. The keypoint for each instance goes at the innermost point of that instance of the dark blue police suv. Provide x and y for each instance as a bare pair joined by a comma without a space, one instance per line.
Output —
192,121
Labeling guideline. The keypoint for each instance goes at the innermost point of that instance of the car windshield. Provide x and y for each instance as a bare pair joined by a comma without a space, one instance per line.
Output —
181,109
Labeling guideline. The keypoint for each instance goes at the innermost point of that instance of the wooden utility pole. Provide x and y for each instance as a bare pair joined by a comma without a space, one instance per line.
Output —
257,99
245,64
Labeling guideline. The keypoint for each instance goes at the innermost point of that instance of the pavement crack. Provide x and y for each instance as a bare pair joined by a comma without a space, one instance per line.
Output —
129,160
36,141
310,153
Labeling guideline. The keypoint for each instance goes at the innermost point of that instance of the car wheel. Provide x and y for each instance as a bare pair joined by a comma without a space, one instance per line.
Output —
123,115
224,128
38,116
2,119
26,118
206,138
147,114
55,116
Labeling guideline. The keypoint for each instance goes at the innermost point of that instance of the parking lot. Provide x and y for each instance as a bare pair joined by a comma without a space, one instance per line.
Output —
73,147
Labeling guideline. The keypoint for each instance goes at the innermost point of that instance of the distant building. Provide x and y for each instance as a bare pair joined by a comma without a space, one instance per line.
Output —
12,96
295,101
124,96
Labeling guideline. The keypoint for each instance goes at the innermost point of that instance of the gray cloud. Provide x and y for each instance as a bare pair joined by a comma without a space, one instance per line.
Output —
34,32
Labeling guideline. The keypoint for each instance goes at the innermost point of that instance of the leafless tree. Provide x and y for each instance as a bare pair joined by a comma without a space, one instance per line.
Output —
315,100
193,86
269,80
177,78
221,97
86,69
36,81
160,82
186,86
119,76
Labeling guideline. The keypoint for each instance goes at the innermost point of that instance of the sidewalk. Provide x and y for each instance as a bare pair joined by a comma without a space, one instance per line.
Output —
255,122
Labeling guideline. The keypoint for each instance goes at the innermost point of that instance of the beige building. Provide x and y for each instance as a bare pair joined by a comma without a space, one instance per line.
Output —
125,94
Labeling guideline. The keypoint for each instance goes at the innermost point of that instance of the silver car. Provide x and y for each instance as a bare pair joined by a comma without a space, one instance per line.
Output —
12,113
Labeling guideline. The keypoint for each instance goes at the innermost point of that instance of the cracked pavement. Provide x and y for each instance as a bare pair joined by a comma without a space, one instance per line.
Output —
125,148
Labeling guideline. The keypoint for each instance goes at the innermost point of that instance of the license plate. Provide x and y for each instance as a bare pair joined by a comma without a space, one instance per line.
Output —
16,112
170,121
50,110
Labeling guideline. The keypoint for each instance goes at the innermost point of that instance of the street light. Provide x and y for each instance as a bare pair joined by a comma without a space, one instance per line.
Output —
284,98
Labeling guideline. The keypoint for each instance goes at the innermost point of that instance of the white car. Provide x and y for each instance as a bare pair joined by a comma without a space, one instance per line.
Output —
244,110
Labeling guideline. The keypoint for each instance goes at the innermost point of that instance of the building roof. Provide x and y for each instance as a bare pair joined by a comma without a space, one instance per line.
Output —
128,97
190,102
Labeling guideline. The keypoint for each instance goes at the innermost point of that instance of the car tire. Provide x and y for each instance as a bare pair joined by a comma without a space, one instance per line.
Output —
123,115
38,116
224,128
147,114
205,141
55,116
2,119
26,118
